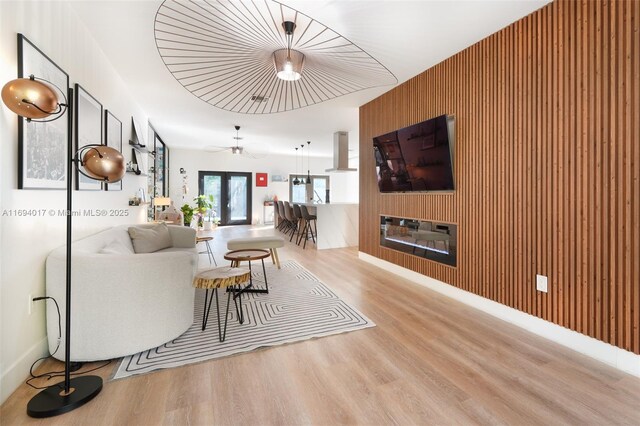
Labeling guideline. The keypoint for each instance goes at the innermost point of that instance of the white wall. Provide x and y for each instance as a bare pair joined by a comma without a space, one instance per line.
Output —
344,186
26,241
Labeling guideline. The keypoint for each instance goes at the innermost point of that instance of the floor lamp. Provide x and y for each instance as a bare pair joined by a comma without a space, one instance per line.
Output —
35,100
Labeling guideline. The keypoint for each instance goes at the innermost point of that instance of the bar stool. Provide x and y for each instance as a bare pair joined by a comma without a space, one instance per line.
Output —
298,214
308,218
276,214
282,209
291,218
208,251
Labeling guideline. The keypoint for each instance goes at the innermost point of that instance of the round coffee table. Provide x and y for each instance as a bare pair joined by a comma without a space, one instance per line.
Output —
223,277
248,255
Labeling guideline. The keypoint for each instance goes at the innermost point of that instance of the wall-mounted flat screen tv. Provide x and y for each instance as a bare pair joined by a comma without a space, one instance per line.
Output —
416,158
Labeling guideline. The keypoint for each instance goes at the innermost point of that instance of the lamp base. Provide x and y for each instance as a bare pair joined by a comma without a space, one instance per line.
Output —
50,402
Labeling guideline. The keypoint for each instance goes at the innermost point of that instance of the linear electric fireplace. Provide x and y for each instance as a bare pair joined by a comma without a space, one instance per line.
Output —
430,240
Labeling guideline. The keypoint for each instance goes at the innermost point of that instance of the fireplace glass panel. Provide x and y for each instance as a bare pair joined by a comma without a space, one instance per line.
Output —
430,240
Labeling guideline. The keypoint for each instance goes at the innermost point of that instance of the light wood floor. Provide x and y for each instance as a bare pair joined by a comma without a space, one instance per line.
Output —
430,360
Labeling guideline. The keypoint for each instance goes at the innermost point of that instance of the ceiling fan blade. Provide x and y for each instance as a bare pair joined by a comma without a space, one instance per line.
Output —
254,155
212,148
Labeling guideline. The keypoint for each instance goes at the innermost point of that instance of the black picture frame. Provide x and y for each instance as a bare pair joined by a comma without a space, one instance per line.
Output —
113,139
160,169
87,129
42,146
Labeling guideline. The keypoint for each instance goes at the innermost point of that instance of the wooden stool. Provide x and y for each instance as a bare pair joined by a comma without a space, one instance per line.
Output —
223,277
208,250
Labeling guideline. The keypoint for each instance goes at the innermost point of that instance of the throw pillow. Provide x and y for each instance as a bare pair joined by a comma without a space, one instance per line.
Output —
150,239
115,247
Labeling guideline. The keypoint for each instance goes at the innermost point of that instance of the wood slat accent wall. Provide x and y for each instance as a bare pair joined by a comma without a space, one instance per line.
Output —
547,166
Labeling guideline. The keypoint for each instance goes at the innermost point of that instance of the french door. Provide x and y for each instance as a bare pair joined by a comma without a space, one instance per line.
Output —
231,193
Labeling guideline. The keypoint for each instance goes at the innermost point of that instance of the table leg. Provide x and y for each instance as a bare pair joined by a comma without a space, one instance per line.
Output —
210,254
275,255
222,335
205,314
239,311
264,271
249,288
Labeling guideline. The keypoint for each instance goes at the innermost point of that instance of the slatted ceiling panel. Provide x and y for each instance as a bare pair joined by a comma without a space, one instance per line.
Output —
547,166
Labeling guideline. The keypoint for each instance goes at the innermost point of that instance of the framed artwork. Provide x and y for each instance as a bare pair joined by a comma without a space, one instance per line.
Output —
160,167
113,139
261,179
141,160
42,146
88,131
137,130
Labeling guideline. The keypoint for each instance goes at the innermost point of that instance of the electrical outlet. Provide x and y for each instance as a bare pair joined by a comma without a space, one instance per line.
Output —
30,304
541,283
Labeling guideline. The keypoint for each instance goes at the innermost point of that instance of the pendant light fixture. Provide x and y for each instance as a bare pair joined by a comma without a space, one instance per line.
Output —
308,167
302,182
296,181
237,149
288,62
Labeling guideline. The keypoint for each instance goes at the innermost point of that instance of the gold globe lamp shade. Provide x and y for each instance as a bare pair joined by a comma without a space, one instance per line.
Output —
30,98
104,163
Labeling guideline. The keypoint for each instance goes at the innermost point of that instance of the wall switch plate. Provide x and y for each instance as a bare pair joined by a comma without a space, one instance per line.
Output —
541,283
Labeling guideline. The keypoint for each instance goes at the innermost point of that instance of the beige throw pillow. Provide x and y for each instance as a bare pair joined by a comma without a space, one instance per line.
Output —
115,247
150,239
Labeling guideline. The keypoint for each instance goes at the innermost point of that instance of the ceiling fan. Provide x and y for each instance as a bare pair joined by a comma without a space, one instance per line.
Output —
244,150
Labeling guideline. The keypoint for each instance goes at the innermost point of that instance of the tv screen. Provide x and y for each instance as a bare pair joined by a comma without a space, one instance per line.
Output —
416,158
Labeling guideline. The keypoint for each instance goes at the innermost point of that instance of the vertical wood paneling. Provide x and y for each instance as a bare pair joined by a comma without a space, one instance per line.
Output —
547,166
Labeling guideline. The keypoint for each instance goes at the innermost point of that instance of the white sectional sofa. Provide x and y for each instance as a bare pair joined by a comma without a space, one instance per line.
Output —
122,302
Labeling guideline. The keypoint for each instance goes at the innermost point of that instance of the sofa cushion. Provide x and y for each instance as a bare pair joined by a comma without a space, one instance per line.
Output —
149,239
116,247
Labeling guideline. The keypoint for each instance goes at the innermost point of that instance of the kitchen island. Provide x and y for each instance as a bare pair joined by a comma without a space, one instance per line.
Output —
337,224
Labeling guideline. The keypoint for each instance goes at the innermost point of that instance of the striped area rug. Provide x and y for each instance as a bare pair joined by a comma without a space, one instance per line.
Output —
298,307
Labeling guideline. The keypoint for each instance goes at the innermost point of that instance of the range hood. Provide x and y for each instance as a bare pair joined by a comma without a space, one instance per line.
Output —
341,153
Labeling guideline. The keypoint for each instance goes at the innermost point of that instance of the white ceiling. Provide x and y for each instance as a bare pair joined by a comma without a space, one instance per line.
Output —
405,36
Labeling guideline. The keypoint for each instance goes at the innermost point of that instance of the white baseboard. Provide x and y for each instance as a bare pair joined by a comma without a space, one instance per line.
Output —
609,354
18,372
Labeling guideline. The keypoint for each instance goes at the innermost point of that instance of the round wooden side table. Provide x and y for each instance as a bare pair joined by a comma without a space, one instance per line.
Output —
248,255
222,277
208,250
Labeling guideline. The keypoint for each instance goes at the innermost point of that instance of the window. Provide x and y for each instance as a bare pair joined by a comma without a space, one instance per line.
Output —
306,193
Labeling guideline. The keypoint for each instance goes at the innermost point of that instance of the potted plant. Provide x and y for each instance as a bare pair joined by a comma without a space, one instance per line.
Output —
204,203
187,212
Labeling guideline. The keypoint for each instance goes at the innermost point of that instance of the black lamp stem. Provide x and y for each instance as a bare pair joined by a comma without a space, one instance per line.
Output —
67,328
52,401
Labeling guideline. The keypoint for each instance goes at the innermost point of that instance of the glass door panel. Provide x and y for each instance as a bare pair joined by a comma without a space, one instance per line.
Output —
213,186
238,191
